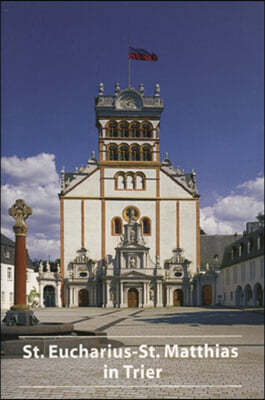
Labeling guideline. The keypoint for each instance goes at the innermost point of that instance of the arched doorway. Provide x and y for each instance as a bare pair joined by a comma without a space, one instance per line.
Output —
83,298
178,298
239,296
207,295
49,296
133,298
258,295
248,295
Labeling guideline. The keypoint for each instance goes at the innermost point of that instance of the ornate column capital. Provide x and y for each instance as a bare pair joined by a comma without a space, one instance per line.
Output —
20,211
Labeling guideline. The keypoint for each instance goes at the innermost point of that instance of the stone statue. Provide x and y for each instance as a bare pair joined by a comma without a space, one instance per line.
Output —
132,262
48,267
20,212
41,268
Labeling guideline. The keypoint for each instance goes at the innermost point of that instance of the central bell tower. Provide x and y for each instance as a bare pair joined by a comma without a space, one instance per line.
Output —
128,126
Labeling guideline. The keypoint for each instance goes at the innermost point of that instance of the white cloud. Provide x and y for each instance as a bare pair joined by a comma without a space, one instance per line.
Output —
35,180
229,214
37,168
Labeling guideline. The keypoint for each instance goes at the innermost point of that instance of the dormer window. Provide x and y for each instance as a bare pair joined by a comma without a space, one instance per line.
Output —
234,253
240,249
250,245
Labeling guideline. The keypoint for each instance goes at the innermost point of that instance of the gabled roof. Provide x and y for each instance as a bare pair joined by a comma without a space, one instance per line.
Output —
245,255
212,246
184,180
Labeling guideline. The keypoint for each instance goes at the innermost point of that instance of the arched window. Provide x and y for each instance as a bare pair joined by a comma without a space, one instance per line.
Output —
146,226
135,152
147,153
130,181
113,129
147,130
124,129
140,181
135,129
124,152
113,152
116,226
120,181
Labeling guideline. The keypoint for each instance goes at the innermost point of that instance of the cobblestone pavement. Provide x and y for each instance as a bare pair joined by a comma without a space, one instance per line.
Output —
196,378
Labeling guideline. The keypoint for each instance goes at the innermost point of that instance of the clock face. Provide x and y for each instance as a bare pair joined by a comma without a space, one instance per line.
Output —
129,101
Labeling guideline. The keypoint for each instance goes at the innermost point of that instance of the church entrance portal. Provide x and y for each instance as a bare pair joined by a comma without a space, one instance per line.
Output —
178,298
83,298
206,295
49,296
133,298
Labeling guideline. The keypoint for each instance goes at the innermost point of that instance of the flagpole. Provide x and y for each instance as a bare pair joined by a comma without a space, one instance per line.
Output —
129,72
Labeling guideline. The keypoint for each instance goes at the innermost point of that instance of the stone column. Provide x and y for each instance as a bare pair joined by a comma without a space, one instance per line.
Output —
20,212
159,294
121,289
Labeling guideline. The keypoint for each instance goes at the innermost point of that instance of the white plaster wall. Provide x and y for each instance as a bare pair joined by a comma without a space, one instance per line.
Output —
72,230
231,286
187,211
114,208
109,183
168,229
170,188
7,287
92,220
89,187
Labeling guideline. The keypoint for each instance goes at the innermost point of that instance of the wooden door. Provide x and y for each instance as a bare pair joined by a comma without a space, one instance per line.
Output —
83,298
178,298
207,295
133,298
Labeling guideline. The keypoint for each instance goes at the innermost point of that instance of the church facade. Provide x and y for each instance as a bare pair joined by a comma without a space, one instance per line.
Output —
129,223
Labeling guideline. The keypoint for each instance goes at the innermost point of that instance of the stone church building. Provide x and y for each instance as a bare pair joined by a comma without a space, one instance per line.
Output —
129,223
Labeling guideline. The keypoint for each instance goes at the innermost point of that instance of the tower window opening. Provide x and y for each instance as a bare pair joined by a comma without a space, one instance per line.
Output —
147,153
147,130
124,153
113,129
135,129
135,153
113,152
124,129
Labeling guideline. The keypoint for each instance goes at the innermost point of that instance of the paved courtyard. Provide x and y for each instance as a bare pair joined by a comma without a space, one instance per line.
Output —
207,378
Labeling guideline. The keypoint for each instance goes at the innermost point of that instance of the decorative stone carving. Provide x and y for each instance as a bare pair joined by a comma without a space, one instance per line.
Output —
101,89
157,90
20,211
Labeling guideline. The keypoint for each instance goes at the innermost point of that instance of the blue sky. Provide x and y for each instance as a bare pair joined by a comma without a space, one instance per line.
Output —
210,68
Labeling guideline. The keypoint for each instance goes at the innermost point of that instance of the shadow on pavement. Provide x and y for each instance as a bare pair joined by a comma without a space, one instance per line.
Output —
208,318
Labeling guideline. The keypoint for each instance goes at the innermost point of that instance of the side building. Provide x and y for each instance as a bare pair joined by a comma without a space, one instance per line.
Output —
8,273
242,270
